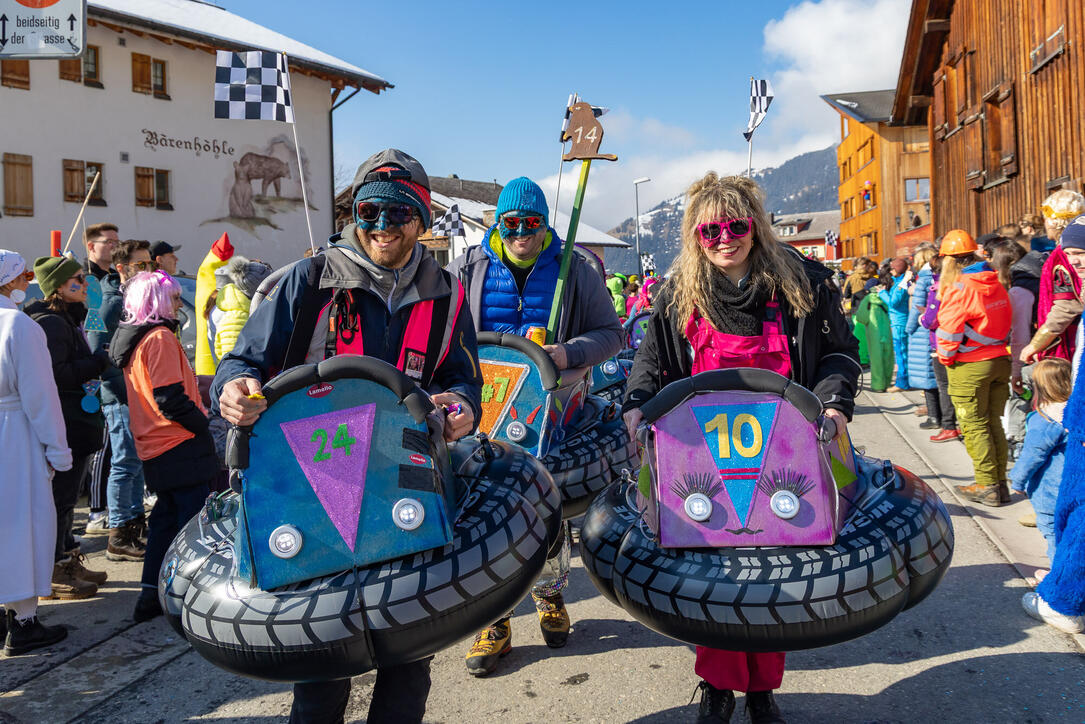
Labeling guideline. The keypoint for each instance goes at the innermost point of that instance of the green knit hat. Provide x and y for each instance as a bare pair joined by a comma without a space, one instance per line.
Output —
52,271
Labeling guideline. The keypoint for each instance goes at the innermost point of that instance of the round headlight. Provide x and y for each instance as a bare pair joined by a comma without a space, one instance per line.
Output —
784,504
610,367
698,507
408,514
285,541
516,431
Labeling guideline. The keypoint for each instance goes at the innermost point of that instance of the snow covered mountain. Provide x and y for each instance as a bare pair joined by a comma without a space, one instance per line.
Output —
805,183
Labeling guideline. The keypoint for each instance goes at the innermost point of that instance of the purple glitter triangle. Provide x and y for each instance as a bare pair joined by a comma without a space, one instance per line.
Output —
337,478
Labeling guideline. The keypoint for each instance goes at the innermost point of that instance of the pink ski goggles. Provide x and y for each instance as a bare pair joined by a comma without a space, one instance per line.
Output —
719,230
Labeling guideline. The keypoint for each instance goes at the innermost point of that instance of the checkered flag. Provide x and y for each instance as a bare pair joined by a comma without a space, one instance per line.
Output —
760,98
832,238
450,224
574,98
254,85
648,262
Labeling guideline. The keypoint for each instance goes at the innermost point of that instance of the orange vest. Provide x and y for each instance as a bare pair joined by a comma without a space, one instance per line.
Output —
974,319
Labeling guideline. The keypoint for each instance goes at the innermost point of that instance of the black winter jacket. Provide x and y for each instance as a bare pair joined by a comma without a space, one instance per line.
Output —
824,352
73,364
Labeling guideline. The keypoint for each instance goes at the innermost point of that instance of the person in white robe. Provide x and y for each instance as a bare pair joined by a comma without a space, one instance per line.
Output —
33,438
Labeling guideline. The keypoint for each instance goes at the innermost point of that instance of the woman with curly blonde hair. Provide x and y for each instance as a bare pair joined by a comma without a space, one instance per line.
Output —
738,297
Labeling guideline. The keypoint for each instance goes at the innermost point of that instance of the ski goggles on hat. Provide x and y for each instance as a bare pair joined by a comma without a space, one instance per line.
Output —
395,214
28,275
530,223
713,232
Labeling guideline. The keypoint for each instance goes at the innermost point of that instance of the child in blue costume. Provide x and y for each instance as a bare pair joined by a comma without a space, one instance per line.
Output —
1039,470
1059,600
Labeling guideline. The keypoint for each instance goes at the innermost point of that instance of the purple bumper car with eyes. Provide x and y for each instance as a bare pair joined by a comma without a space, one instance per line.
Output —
749,529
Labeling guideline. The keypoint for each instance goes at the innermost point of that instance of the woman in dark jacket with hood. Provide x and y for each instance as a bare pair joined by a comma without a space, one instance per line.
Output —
77,371
738,297
169,423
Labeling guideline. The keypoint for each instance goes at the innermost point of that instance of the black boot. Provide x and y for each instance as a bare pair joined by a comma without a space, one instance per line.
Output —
930,424
717,705
24,636
147,607
762,709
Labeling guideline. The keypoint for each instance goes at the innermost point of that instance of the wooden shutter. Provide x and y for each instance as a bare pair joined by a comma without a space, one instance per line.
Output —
72,70
973,154
1008,119
75,184
18,185
1054,18
15,74
141,73
962,66
938,108
144,186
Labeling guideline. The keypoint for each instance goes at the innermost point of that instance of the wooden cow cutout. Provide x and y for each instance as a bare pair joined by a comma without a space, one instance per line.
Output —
586,133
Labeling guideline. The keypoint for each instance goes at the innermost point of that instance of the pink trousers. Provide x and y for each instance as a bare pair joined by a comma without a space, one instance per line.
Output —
740,671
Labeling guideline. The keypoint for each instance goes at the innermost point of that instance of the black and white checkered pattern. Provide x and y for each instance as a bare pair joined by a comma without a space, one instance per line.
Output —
760,98
253,85
450,224
648,262
832,238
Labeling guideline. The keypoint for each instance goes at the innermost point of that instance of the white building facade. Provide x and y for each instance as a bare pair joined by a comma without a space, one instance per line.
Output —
138,108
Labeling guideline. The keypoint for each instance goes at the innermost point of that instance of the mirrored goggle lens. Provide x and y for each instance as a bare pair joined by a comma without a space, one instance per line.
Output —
397,214
512,223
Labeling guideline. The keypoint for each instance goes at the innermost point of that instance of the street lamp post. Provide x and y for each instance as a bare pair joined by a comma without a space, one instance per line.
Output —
636,220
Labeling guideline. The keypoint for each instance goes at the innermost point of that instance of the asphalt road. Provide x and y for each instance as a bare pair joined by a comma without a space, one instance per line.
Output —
966,654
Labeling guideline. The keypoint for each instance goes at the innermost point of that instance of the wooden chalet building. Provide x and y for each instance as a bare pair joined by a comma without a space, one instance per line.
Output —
884,191
1000,85
806,232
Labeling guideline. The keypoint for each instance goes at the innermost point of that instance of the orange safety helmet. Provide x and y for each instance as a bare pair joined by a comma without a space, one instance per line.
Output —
957,242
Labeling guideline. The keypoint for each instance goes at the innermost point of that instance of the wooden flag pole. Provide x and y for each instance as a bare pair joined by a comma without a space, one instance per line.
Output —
297,148
567,253
86,200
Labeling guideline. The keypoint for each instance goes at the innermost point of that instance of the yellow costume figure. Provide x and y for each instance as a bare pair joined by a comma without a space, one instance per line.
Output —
220,253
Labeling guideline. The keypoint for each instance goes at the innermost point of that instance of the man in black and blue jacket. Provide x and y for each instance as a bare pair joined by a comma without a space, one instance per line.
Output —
511,279
361,297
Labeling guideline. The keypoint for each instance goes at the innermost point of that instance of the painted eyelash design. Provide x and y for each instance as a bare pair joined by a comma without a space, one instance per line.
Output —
789,480
696,483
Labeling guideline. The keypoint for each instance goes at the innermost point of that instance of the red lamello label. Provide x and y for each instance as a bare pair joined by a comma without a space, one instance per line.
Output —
418,460
320,390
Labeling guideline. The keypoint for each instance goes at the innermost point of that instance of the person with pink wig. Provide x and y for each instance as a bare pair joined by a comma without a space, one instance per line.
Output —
169,423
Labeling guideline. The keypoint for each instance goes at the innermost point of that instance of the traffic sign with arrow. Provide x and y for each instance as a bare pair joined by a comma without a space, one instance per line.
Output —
42,28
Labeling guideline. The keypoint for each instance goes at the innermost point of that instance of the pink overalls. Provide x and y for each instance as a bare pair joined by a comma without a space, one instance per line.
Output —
712,350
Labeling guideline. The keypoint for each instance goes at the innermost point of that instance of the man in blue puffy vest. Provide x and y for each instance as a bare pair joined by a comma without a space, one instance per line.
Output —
510,280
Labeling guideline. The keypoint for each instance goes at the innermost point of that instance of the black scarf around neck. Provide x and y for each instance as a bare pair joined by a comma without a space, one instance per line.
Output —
736,310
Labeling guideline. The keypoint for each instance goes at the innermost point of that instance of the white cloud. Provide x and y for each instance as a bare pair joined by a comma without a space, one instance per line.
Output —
823,47
623,128
832,46
609,197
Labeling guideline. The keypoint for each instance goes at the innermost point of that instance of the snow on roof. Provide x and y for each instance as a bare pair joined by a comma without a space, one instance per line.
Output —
820,222
202,20
469,209
586,233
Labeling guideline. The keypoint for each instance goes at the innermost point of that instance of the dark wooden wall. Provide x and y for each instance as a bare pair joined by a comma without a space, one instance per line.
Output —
1007,118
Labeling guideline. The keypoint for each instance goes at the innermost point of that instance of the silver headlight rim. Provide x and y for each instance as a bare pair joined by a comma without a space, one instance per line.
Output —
290,530
403,503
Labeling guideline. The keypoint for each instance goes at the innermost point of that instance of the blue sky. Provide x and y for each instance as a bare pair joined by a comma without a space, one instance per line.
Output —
481,87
